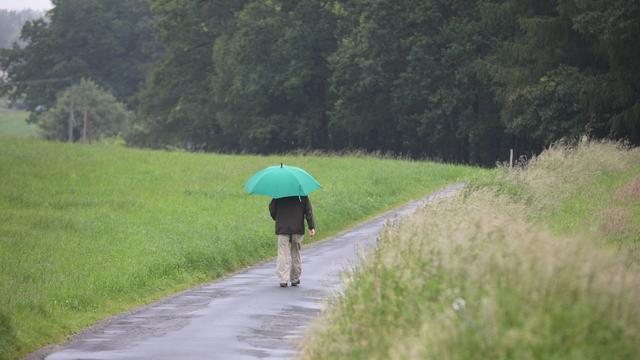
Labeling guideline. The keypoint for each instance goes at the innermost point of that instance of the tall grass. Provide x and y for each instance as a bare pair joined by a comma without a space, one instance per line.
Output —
86,231
501,272
588,189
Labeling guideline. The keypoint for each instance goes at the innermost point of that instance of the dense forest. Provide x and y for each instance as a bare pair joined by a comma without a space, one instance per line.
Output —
457,80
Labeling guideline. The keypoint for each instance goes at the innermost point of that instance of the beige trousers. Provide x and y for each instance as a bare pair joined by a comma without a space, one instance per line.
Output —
289,264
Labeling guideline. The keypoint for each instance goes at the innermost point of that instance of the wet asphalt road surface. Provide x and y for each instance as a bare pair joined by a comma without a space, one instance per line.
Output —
243,316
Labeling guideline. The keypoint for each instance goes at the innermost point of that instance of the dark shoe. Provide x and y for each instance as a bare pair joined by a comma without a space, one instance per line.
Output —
296,283
283,284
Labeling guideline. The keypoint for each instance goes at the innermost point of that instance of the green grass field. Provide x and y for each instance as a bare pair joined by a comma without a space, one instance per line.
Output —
538,262
90,230
13,124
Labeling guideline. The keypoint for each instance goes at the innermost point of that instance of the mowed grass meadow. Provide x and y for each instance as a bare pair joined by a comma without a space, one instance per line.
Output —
13,124
90,230
537,262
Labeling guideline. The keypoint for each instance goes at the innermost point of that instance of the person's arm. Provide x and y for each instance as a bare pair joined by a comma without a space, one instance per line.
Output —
308,214
272,208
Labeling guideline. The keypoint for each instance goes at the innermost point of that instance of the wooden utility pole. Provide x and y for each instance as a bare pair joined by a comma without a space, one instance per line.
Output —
86,137
72,119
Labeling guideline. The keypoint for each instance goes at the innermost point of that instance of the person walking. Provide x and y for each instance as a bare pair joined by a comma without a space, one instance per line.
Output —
289,214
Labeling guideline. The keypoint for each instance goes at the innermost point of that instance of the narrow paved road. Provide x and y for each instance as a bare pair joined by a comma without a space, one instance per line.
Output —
244,316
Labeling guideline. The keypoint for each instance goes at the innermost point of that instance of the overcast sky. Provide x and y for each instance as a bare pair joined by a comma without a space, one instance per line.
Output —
25,4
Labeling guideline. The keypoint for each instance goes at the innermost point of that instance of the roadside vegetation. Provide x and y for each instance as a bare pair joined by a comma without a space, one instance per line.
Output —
88,231
536,262
14,124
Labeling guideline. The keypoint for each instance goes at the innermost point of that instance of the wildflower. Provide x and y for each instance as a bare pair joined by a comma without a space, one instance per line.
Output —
458,304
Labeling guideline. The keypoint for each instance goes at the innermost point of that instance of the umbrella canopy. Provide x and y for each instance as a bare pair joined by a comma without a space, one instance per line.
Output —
281,181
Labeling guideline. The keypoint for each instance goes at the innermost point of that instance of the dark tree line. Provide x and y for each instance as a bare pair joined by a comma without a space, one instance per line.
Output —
460,80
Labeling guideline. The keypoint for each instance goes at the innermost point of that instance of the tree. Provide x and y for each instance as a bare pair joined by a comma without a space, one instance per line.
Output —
371,54
110,41
613,28
271,76
101,114
564,68
403,80
175,106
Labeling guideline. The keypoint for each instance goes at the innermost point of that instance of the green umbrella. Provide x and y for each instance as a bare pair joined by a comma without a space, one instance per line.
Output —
281,181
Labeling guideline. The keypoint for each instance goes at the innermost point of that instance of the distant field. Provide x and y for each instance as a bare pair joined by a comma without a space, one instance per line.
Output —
87,231
13,124
535,262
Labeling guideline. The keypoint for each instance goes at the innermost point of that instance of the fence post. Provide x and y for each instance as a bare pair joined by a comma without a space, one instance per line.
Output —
510,158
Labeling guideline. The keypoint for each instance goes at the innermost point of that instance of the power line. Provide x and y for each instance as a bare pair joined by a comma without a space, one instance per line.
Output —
42,81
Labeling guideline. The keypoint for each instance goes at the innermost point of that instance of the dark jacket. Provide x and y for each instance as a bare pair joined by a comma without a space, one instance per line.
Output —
289,214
